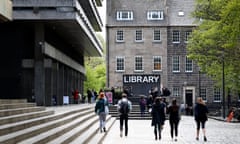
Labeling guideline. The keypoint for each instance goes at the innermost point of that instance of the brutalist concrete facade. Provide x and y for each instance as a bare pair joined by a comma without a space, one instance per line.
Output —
184,85
44,48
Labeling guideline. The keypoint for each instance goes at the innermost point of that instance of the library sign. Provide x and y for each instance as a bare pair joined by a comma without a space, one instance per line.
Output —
127,79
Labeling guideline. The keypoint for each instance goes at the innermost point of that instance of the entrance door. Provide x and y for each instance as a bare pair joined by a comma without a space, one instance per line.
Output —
189,102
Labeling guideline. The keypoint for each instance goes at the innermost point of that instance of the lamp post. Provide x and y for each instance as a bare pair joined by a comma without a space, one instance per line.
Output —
199,82
223,88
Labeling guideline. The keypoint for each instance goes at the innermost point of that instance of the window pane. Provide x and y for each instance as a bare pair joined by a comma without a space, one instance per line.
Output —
189,65
187,34
176,64
217,95
176,91
203,93
138,35
157,35
157,63
138,63
176,37
120,64
119,35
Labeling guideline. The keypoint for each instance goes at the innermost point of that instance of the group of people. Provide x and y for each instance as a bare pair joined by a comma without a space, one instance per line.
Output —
159,109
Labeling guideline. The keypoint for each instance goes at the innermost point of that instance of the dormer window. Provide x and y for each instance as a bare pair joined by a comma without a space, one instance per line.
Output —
124,15
155,15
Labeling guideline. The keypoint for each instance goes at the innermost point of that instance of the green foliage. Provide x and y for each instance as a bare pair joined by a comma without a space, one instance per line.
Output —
95,71
217,40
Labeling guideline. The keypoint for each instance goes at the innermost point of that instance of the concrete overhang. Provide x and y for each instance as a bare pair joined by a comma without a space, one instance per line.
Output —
67,18
90,8
5,10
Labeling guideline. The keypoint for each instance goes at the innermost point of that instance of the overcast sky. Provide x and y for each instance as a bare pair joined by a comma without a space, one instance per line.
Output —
102,12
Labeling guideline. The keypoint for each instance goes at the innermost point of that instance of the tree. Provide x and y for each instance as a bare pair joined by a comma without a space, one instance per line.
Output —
95,71
216,40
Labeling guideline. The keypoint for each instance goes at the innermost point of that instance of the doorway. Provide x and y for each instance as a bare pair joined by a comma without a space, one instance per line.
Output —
189,101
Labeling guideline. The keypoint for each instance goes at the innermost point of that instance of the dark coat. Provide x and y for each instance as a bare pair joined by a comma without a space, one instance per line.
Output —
201,112
100,106
158,113
173,111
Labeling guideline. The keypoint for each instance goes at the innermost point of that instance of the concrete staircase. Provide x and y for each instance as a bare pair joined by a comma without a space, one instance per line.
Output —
134,115
26,123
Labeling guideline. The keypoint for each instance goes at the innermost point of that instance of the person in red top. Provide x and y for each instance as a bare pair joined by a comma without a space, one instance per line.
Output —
76,96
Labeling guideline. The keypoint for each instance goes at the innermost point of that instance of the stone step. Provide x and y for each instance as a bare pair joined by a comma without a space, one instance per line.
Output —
9,112
92,130
22,117
40,127
16,105
9,128
11,101
59,131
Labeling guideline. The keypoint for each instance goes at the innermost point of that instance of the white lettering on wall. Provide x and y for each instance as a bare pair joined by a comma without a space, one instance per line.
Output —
141,78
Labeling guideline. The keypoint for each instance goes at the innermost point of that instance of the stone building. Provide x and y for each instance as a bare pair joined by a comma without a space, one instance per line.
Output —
43,48
148,38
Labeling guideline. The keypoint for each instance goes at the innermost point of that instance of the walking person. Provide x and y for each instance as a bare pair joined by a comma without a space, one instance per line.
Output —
100,110
200,116
174,117
124,108
149,103
142,105
158,117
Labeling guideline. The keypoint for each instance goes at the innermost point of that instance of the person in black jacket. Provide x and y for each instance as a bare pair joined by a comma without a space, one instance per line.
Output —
174,117
200,116
158,116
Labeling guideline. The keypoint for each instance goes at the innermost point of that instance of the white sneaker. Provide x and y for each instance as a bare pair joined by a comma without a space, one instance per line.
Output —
121,134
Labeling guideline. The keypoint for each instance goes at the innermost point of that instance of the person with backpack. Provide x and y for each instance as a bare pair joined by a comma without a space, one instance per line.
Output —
124,108
158,116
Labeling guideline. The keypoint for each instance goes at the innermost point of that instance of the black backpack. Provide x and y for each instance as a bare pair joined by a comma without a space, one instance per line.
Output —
124,109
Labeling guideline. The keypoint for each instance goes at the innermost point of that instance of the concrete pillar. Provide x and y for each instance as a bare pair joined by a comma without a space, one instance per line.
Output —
60,81
48,82
39,71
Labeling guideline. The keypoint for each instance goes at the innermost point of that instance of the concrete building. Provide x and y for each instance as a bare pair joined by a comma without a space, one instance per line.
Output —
146,48
5,10
44,46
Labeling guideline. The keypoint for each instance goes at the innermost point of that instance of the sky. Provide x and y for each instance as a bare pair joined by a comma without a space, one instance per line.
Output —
102,12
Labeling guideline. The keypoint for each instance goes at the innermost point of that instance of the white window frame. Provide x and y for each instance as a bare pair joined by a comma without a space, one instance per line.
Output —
155,15
176,92
119,36
176,64
157,62
120,62
187,35
121,15
176,36
138,64
203,94
188,65
217,95
157,34
138,35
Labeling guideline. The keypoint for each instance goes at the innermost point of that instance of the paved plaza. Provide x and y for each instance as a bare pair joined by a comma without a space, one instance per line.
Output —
141,132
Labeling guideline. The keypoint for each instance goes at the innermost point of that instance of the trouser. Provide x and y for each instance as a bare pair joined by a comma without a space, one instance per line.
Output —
124,118
102,119
157,128
174,127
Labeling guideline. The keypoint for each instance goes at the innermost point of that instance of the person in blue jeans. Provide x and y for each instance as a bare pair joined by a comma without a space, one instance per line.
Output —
100,110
